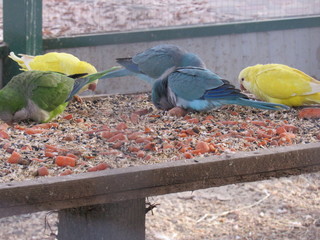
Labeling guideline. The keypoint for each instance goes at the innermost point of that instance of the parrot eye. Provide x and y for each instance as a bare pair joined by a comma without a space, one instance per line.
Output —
242,79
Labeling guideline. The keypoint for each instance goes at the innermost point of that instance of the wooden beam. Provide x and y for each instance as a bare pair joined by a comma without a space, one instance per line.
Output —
123,220
22,31
138,182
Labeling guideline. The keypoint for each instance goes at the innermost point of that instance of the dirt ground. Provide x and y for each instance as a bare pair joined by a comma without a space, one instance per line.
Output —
284,208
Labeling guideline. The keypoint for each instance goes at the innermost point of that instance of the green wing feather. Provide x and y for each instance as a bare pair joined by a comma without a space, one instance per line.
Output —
51,90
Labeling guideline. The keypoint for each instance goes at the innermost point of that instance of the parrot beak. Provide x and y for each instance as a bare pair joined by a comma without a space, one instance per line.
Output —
92,86
242,88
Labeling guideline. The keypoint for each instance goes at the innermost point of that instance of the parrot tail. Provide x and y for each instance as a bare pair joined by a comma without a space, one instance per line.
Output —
81,82
23,61
228,94
260,104
125,73
119,73
312,99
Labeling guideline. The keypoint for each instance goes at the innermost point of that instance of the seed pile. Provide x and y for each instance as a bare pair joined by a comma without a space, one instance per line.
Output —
126,130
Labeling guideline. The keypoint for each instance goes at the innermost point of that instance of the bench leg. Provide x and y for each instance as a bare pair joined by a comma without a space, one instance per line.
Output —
115,221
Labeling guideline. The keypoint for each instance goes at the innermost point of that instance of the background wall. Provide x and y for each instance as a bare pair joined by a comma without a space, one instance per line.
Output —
226,54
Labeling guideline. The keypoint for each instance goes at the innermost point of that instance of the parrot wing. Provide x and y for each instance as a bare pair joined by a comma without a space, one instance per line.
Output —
191,83
49,90
284,82
53,61
56,62
157,60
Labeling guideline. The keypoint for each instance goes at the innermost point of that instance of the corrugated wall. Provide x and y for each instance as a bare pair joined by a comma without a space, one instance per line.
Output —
226,54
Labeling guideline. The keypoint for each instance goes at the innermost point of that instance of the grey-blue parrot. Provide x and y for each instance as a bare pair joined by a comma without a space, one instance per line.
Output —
200,89
155,62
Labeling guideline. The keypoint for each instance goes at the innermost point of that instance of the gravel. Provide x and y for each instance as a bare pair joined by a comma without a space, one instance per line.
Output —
126,130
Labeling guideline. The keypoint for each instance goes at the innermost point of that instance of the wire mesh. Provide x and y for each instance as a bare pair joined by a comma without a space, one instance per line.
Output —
63,18
74,17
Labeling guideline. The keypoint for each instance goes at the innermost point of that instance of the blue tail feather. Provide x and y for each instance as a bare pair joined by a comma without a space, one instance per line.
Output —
260,104
125,73
228,94
119,73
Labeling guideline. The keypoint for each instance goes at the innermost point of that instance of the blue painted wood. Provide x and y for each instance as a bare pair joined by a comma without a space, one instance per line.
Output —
22,31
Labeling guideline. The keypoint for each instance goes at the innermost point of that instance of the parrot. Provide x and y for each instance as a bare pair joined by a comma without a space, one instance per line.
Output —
40,95
56,62
279,83
199,89
154,62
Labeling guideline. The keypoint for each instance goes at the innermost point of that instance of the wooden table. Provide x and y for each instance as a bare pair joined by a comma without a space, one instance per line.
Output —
111,204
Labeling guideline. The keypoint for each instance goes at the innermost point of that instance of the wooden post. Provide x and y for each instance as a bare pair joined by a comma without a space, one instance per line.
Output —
115,221
22,31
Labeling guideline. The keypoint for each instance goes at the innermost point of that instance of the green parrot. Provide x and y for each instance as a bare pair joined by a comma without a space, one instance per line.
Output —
41,95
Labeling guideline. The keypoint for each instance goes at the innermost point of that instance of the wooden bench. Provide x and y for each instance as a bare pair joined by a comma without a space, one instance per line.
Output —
111,204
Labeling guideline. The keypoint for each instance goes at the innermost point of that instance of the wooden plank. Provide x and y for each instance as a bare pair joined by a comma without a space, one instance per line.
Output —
122,220
138,182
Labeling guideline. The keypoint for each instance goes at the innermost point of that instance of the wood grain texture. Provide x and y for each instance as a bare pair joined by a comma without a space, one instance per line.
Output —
118,221
138,182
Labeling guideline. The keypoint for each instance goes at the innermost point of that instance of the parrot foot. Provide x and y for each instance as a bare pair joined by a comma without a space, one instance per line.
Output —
77,99
92,86
177,112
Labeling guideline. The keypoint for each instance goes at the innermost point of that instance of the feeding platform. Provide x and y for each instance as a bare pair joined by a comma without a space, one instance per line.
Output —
111,204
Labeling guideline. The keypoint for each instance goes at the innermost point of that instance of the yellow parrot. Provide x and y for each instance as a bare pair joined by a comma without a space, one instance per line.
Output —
57,62
278,83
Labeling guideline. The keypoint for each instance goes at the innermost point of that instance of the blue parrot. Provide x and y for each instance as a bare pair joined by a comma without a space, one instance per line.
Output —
199,89
156,62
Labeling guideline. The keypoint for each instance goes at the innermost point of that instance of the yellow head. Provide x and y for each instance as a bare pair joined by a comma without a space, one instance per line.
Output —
246,77
84,67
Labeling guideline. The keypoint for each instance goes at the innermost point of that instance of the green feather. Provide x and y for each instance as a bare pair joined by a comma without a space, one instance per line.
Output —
57,111
52,89
40,95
